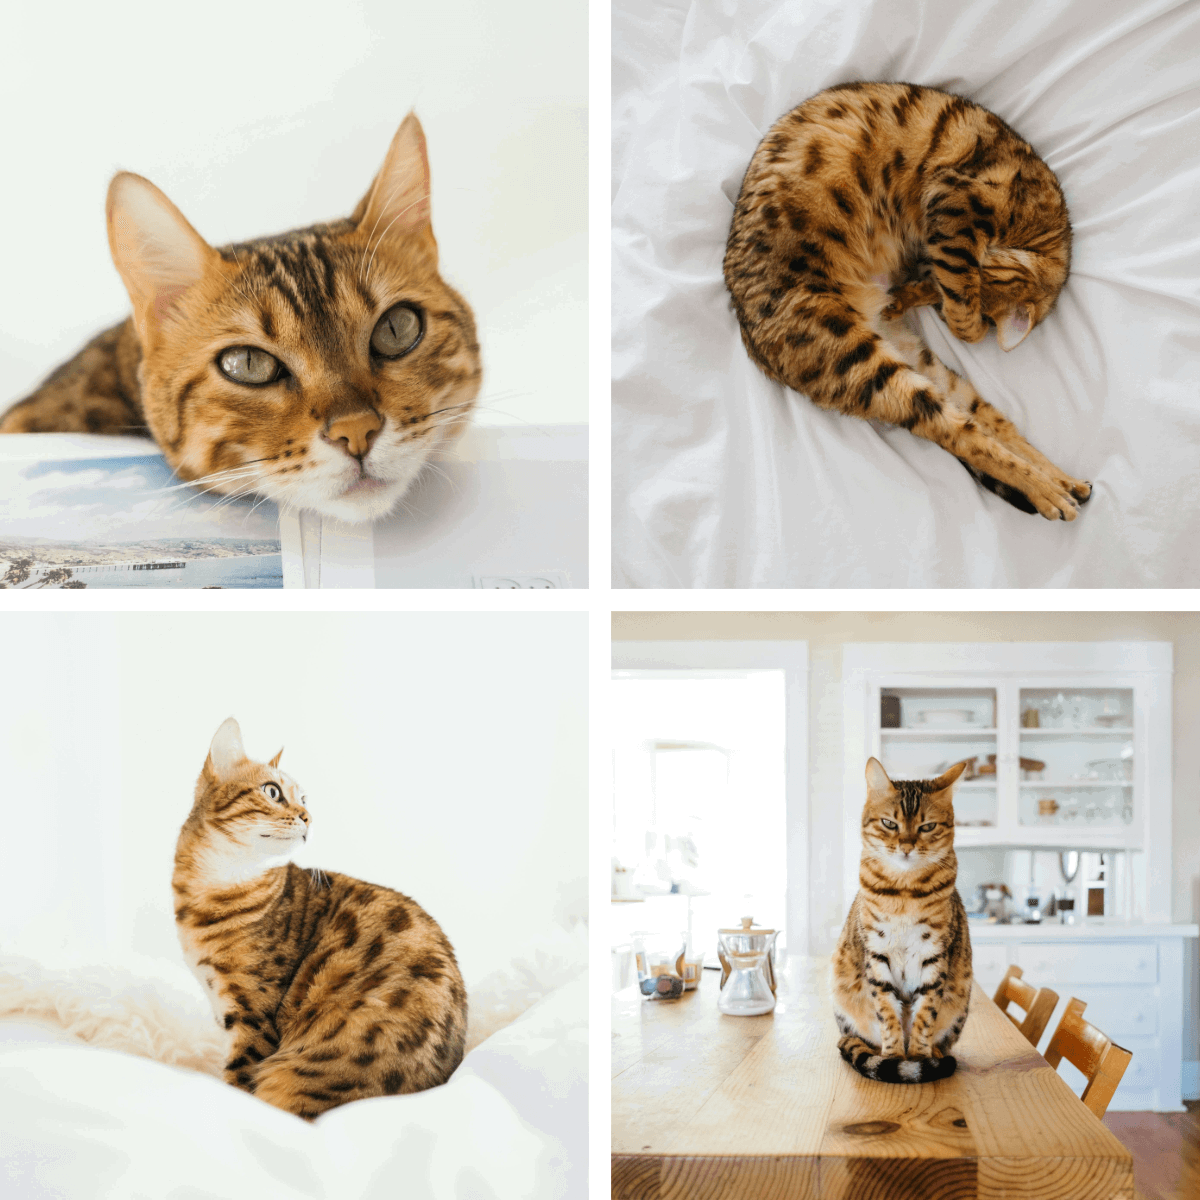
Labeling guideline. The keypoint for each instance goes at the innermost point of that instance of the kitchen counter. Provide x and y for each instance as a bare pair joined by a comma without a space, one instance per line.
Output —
1090,930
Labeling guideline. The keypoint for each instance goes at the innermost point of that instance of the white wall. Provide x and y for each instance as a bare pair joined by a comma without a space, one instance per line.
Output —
257,118
443,754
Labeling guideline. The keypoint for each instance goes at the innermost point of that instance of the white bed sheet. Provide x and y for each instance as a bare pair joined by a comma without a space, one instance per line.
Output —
76,1121
722,478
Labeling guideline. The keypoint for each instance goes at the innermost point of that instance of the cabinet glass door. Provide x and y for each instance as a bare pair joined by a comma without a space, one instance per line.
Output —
922,731
1076,757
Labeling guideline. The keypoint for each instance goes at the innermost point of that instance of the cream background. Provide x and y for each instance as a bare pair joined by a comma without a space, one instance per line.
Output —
826,632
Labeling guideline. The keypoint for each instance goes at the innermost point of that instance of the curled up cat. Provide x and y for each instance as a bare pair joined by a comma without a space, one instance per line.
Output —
320,368
870,199
902,968
331,989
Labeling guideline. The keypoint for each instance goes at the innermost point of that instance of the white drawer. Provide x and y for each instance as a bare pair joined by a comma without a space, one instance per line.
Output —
1122,1013
1050,963
989,962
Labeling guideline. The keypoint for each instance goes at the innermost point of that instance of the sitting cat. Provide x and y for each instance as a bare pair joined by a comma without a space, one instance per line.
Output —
871,186
902,969
320,368
332,989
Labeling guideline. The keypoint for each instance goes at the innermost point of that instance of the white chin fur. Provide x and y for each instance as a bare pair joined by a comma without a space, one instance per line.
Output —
396,462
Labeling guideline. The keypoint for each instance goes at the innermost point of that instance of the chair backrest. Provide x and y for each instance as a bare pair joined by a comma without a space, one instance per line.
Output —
1038,1004
1097,1056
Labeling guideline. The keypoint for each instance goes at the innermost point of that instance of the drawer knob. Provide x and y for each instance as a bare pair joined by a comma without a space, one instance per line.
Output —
1142,964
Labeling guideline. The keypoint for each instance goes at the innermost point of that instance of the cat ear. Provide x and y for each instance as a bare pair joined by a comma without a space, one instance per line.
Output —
397,203
877,777
1013,328
158,254
275,760
943,781
226,751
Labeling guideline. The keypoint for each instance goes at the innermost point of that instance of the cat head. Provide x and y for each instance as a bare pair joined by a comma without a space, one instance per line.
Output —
908,823
1020,281
320,368
1018,288
250,812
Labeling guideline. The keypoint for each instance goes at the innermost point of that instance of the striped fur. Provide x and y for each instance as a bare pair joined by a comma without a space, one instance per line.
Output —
341,429
868,187
902,969
331,989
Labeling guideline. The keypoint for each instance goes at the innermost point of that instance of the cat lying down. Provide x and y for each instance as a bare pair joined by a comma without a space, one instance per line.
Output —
320,368
868,200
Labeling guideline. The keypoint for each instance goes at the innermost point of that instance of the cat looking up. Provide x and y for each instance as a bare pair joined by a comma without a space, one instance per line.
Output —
320,368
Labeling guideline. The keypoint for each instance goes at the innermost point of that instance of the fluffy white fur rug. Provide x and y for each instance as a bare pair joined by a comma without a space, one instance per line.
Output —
155,1008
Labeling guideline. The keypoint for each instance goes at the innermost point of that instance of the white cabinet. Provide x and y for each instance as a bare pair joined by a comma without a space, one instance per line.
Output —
1131,978
1070,744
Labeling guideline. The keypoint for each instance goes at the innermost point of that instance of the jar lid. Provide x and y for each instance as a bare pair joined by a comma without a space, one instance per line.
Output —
747,927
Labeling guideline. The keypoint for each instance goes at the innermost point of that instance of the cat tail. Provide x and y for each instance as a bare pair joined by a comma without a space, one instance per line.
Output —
1014,496
867,1061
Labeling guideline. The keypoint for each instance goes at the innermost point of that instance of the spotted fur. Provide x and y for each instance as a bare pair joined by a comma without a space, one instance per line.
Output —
902,970
868,187
341,429
331,989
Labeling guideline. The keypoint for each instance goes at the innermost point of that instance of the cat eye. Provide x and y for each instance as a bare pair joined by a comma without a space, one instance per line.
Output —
272,792
397,332
928,828
888,824
249,365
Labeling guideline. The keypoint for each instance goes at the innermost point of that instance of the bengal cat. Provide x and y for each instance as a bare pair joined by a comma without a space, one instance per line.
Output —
331,989
868,187
902,970
320,368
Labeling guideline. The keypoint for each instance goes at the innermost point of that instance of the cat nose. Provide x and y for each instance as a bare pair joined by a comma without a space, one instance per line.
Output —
353,434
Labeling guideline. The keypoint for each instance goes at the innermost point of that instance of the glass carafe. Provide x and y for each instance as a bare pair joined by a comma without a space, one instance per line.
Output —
747,973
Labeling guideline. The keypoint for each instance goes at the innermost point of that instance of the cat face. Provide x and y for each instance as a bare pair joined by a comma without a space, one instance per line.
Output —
909,823
256,810
321,368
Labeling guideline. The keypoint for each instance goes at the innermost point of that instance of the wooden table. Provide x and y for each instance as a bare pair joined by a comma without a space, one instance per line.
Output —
711,1107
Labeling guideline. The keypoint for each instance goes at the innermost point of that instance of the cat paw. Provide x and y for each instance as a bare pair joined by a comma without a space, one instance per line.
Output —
1052,498
1080,489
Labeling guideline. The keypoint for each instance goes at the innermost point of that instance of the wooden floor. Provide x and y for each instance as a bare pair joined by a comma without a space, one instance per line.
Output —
1165,1149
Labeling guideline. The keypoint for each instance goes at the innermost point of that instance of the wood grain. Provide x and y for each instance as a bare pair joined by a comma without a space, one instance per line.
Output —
706,1105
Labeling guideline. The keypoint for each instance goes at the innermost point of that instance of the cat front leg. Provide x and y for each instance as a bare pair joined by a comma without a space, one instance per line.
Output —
957,219
925,1002
889,1013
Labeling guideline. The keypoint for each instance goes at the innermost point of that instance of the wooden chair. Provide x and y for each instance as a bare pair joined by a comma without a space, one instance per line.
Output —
1038,1004
1098,1057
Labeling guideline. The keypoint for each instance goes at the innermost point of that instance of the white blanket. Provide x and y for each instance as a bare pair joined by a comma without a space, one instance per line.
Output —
724,479
76,1121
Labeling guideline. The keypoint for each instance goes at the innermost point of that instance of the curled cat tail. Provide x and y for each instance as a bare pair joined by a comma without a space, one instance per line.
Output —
867,1061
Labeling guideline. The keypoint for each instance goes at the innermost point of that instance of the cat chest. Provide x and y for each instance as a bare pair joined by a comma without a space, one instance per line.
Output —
906,946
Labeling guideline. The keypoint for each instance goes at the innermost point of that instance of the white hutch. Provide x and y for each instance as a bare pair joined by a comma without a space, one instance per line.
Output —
1070,745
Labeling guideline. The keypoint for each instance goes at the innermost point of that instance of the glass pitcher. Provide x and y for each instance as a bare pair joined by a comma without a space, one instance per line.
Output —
747,971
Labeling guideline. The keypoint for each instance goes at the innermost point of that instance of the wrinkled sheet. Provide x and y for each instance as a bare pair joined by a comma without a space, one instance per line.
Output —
76,1121
722,478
